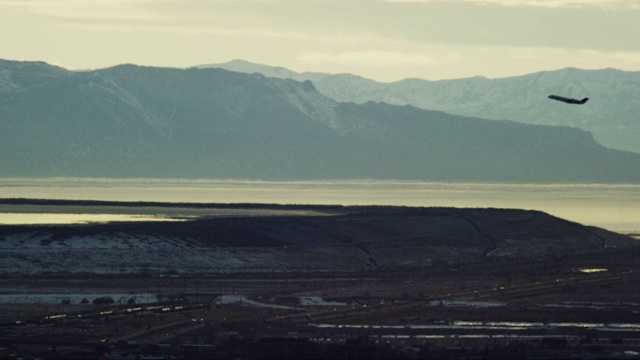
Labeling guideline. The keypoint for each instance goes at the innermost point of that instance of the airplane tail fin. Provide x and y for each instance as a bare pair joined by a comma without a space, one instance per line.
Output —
584,100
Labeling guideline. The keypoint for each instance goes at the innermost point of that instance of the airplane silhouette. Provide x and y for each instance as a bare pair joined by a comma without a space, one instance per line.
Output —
567,100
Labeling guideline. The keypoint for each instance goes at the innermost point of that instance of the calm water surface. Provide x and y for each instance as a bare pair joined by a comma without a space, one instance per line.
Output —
615,207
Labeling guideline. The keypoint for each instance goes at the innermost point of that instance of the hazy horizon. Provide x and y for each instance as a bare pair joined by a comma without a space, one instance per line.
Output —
384,40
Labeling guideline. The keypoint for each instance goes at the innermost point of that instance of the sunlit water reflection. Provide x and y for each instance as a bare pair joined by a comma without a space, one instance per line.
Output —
615,207
39,218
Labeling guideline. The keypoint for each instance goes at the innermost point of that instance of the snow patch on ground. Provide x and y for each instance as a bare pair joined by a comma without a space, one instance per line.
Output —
245,301
318,301
304,301
31,253
461,303
592,304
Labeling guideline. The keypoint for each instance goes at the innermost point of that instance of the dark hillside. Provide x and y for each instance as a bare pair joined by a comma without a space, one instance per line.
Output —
353,239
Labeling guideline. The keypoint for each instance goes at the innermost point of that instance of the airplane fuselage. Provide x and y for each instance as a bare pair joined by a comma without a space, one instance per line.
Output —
568,100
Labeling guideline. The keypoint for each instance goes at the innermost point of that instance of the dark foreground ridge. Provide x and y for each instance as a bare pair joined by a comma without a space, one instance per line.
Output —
252,281
257,238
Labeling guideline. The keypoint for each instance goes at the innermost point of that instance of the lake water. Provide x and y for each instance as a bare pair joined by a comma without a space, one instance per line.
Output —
614,207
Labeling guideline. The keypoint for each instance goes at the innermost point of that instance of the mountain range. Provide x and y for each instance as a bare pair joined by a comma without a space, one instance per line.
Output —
135,121
612,113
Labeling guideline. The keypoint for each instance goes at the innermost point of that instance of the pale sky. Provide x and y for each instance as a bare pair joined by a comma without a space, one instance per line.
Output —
384,40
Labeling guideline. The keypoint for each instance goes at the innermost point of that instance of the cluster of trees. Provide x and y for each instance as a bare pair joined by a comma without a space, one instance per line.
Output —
104,300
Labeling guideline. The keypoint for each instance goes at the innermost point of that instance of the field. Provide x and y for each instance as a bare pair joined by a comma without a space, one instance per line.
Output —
585,289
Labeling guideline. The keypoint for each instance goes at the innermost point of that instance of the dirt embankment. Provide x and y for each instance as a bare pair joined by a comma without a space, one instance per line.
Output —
245,238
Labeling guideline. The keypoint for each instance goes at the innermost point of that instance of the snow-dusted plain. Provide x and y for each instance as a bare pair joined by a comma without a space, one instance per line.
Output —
125,254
